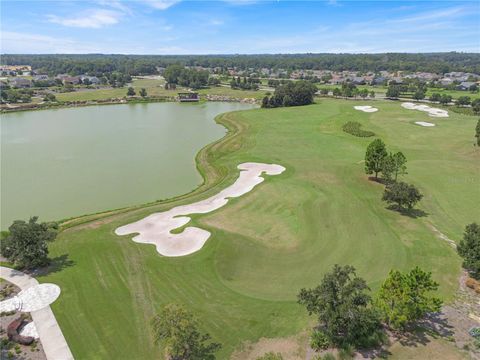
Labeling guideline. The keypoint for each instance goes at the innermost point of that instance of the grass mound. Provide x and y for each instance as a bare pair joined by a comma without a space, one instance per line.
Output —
354,128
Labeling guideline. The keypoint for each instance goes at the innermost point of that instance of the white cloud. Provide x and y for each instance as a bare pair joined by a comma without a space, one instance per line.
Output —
447,14
161,4
217,22
333,3
25,43
241,2
119,5
28,43
95,18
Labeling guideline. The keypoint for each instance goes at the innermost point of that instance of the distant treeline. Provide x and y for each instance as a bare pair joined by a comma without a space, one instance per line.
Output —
147,64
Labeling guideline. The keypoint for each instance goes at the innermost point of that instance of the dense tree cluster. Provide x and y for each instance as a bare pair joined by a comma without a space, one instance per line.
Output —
349,316
26,243
180,75
213,81
291,94
245,83
16,95
97,64
378,160
469,250
445,99
349,90
413,88
115,79
131,91
274,83
390,166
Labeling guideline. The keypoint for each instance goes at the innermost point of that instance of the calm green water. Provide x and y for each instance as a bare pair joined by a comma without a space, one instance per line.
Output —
67,162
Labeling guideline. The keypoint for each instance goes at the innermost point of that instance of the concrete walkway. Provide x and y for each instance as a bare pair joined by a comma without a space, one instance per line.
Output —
51,336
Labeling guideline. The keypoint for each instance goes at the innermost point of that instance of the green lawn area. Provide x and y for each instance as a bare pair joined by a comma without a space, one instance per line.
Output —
283,235
455,94
154,87
234,93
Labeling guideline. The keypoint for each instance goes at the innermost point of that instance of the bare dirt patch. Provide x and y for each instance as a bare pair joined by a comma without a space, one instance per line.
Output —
291,348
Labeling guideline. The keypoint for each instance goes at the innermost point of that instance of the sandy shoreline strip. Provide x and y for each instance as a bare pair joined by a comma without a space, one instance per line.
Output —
155,228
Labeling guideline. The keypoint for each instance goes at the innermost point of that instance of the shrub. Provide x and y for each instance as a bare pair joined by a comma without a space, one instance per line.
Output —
475,332
328,356
271,356
319,341
346,353
354,128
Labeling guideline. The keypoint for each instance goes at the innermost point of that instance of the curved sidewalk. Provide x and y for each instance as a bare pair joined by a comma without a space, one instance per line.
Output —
51,336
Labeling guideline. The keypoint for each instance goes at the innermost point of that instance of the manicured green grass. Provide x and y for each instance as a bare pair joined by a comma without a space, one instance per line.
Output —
282,236
455,94
382,90
154,87
234,93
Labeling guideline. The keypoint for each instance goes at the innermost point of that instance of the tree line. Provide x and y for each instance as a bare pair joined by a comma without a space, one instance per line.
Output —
294,93
94,64
249,83
180,75
349,90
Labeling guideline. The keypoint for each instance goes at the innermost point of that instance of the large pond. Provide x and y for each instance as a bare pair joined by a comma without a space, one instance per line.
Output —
68,162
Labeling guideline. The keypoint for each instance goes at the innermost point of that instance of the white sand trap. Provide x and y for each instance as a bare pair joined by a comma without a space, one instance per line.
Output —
366,108
32,299
424,123
433,112
155,228
29,330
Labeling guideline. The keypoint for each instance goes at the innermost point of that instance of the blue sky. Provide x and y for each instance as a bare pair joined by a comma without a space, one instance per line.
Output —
238,26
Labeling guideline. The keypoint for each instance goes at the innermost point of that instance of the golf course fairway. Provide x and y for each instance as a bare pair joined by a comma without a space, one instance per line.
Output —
282,236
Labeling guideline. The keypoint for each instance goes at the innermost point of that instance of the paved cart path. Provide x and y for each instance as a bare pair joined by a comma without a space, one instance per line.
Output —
51,336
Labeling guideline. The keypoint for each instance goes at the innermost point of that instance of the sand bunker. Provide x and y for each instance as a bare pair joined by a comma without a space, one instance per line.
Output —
424,123
366,108
29,330
32,299
155,229
433,112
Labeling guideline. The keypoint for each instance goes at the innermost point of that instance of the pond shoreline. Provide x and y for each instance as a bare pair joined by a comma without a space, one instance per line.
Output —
7,108
125,123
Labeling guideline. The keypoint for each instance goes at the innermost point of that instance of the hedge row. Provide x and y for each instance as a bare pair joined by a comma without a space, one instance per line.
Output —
354,128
